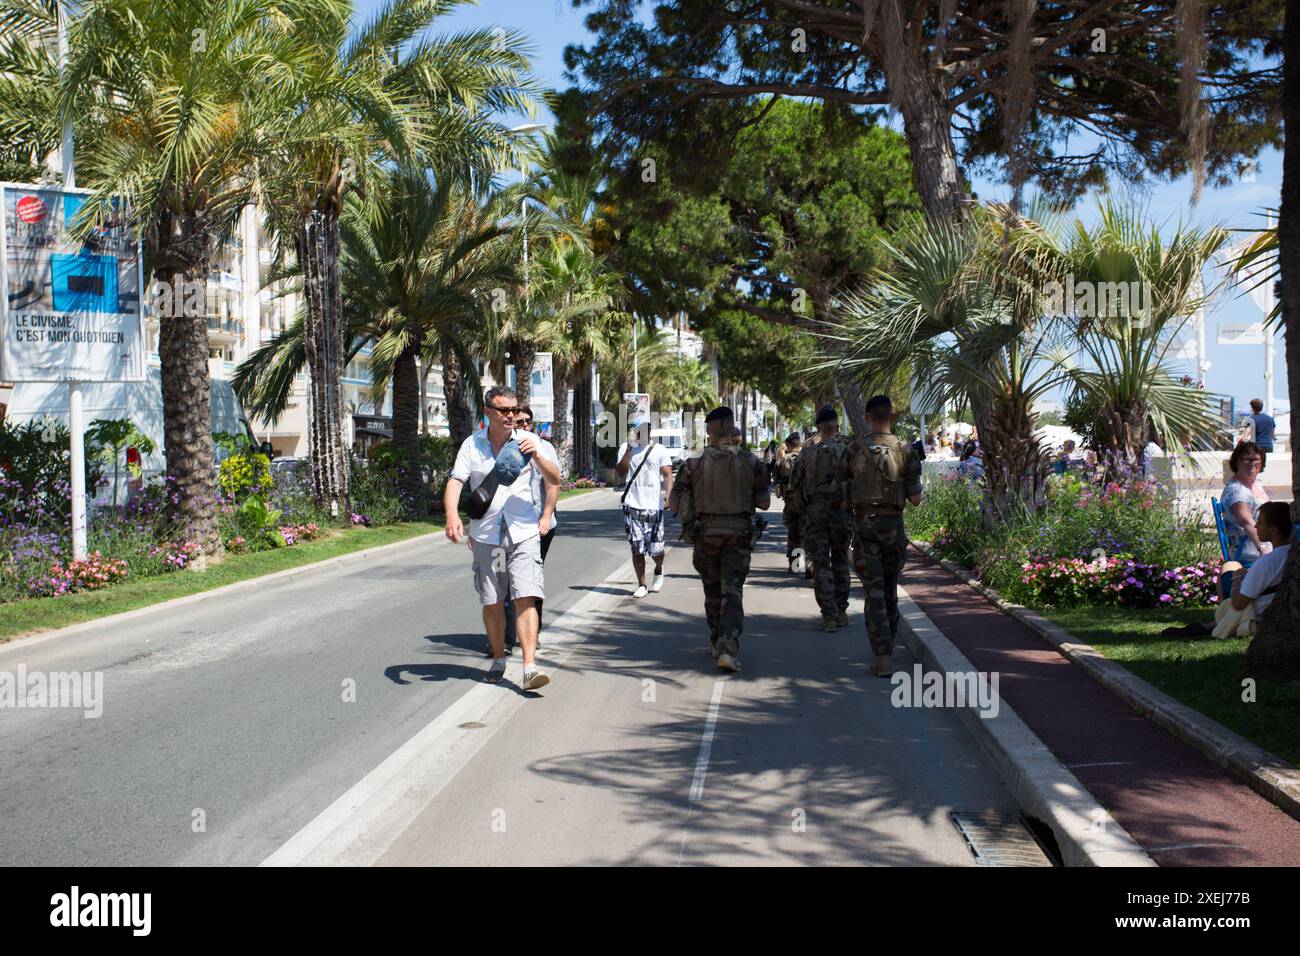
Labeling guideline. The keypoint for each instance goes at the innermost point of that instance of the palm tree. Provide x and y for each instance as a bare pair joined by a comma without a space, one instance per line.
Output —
961,308
29,88
415,259
1144,289
577,300
177,144
360,101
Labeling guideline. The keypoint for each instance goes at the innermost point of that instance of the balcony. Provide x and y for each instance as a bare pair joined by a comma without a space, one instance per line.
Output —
224,330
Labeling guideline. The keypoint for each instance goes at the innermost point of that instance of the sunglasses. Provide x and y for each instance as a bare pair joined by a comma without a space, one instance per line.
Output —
526,422
511,410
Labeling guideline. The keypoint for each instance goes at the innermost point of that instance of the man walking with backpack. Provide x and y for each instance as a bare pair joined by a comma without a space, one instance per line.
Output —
715,497
827,524
883,474
648,468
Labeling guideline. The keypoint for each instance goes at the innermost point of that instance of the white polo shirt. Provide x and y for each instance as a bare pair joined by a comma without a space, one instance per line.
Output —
1263,574
514,504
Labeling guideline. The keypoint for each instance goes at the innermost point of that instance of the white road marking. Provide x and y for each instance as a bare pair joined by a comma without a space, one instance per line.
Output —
361,825
706,745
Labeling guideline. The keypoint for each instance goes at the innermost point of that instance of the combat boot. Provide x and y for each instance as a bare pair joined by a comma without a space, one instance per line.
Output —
830,623
882,666
842,618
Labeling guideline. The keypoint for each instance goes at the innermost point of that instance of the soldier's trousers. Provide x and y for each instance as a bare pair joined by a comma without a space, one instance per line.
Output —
722,561
879,552
793,538
827,533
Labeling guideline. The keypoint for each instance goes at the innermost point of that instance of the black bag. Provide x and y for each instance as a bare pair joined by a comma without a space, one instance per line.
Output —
480,499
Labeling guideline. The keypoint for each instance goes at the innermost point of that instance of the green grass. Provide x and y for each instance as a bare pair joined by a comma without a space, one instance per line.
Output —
573,492
39,614
1204,674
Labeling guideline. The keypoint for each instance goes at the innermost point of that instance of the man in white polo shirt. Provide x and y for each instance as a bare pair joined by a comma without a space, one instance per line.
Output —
648,469
506,541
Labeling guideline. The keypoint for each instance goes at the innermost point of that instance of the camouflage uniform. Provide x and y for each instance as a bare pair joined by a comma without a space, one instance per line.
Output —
722,542
827,523
792,509
879,540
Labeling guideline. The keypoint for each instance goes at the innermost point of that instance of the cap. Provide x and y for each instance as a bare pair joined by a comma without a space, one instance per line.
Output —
879,401
827,413
719,413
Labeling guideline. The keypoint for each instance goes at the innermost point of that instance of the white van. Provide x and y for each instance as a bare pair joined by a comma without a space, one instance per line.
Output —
141,402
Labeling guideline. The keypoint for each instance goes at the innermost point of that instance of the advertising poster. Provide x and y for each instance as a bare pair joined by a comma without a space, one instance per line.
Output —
72,309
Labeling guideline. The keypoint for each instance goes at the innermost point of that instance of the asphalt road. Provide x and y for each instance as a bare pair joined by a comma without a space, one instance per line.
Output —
228,735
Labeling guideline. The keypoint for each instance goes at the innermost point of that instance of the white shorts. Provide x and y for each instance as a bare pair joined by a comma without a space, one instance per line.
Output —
508,569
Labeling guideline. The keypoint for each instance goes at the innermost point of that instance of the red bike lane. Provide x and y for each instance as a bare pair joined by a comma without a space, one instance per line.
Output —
1183,809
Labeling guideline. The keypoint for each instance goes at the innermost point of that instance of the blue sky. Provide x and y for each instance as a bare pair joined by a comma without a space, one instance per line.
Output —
1236,371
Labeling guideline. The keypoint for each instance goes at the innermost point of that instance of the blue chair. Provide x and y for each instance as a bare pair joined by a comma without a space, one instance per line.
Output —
1225,580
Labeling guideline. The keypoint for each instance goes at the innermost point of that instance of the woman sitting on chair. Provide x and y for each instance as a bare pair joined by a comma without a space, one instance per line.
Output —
1242,497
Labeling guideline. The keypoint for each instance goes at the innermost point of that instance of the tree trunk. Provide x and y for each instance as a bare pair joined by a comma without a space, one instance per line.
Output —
1274,653
180,257
582,463
318,255
524,355
1015,467
1125,428
406,434
927,122
560,427
460,421
424,397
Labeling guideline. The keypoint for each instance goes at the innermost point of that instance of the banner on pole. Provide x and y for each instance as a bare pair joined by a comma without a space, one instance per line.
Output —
72,308
543,394
638,405
1241,333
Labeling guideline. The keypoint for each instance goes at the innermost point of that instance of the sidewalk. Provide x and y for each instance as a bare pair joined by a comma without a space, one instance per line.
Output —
1180,807
641,752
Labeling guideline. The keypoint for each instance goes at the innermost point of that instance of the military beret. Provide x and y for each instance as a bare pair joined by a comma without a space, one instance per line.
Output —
827,413
719,413
793,438
879,401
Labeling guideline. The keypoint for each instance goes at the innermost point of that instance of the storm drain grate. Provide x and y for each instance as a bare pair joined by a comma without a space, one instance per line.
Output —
999,839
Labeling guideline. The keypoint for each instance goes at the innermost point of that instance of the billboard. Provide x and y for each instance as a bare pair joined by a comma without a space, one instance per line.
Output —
72,308
543,389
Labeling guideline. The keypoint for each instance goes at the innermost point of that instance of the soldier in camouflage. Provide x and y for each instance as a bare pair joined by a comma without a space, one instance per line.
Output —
792,508
827,522
716,496
882,473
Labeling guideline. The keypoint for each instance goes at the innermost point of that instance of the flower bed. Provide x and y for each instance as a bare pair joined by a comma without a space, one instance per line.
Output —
1126,543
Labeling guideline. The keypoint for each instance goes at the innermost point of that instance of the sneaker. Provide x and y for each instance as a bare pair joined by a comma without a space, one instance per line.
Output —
728,663
842,619
829,623
882,666
497,672
640,591
657,584
534,679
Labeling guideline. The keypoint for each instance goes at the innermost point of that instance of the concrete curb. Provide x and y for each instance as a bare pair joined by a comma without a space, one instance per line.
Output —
1267,774
40,637
1043,786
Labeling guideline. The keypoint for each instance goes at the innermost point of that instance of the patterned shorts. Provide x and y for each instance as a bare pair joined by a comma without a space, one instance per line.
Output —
645,530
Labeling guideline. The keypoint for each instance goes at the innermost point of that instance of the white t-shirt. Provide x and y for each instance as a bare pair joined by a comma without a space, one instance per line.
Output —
514,503
1263,574
645,494
545,450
